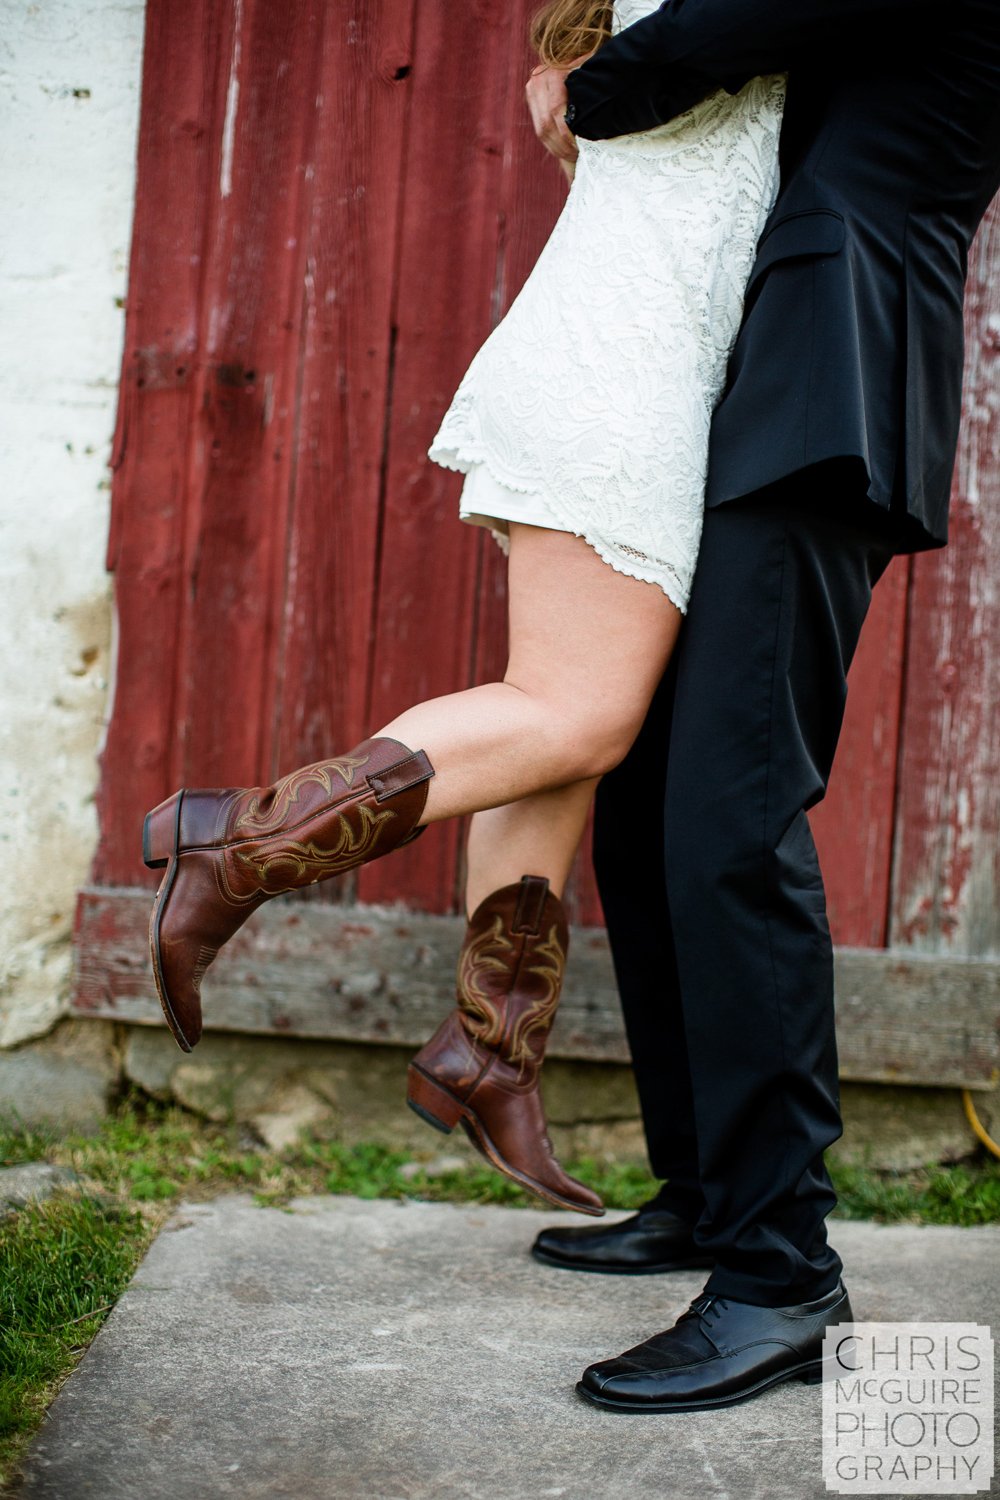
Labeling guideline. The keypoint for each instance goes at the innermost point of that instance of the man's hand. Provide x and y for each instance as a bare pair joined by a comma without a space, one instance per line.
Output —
545,92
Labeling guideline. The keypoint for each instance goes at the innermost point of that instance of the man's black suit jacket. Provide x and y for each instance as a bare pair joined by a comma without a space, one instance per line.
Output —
851,345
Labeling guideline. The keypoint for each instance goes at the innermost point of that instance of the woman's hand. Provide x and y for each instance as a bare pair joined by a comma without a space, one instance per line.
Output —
545,92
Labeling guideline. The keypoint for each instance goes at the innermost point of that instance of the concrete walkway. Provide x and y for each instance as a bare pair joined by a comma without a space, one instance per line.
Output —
383,1351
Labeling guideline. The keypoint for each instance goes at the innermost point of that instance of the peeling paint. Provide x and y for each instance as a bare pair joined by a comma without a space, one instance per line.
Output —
947,886
69,96
232,107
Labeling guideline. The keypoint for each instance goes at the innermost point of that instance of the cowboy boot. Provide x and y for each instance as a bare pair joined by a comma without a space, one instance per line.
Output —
227,852
481,1066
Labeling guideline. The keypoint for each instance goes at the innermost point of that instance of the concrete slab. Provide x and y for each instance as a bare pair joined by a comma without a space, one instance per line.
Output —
388,1351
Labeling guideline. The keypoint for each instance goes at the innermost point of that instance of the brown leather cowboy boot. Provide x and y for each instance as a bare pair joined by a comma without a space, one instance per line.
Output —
481,1066
226,852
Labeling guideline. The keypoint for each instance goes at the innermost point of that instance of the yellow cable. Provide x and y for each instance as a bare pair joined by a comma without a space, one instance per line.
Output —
978,1128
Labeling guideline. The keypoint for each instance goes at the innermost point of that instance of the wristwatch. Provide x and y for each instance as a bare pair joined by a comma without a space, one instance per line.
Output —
570,114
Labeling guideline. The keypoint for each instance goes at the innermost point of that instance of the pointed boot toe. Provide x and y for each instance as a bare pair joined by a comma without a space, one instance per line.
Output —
481,1067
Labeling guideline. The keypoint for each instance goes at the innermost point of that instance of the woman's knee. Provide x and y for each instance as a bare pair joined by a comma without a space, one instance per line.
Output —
596,743
590,732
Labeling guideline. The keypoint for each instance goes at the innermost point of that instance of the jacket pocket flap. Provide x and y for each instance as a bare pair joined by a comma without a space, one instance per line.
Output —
816,231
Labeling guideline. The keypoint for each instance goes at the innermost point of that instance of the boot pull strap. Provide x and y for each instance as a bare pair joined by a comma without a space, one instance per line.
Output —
410,771
530,904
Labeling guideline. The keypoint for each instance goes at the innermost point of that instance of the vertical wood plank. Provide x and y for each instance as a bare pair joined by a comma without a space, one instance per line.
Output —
854,825
246,391
351,236
947,876
206,405
450,225
184,43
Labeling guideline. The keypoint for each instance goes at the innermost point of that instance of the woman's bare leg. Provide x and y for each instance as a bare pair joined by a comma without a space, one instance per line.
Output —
587,648
537,836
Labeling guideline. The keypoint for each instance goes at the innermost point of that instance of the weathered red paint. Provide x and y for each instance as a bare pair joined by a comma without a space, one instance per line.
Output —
335,203
854,825
947,877
423,629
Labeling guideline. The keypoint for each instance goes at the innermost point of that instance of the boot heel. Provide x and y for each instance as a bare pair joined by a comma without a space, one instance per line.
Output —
160,832
813,1375
432,1103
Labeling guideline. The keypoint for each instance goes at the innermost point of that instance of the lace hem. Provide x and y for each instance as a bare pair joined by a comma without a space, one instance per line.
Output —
629,561
590,402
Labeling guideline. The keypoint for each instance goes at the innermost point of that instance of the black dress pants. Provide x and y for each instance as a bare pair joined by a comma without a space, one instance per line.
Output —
716,913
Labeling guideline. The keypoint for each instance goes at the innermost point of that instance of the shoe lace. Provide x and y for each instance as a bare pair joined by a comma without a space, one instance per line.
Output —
708,1306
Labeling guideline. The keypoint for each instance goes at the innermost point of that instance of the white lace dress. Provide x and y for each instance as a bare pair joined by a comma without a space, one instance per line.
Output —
588,407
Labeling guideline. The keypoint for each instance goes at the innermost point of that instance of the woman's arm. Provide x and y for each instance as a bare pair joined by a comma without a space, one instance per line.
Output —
660,66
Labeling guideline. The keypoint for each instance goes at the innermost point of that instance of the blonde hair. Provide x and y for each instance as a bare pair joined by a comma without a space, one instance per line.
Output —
564,30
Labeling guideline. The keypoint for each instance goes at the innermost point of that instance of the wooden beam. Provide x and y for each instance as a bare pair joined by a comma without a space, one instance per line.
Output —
383,974
915,1018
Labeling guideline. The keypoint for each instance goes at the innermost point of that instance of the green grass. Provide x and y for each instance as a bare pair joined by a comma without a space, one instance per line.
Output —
65,1262
967,1194
148,1155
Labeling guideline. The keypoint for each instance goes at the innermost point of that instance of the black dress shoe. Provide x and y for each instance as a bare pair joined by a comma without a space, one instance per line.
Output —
718,1353
652,1240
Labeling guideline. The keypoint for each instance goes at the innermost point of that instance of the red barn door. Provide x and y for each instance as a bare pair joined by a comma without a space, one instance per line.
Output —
335,202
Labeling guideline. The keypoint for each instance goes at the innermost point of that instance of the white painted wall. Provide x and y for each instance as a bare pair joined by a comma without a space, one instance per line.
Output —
69,102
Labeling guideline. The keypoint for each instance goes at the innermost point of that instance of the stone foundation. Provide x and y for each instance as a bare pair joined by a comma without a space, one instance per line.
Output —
66,1080
283,1088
